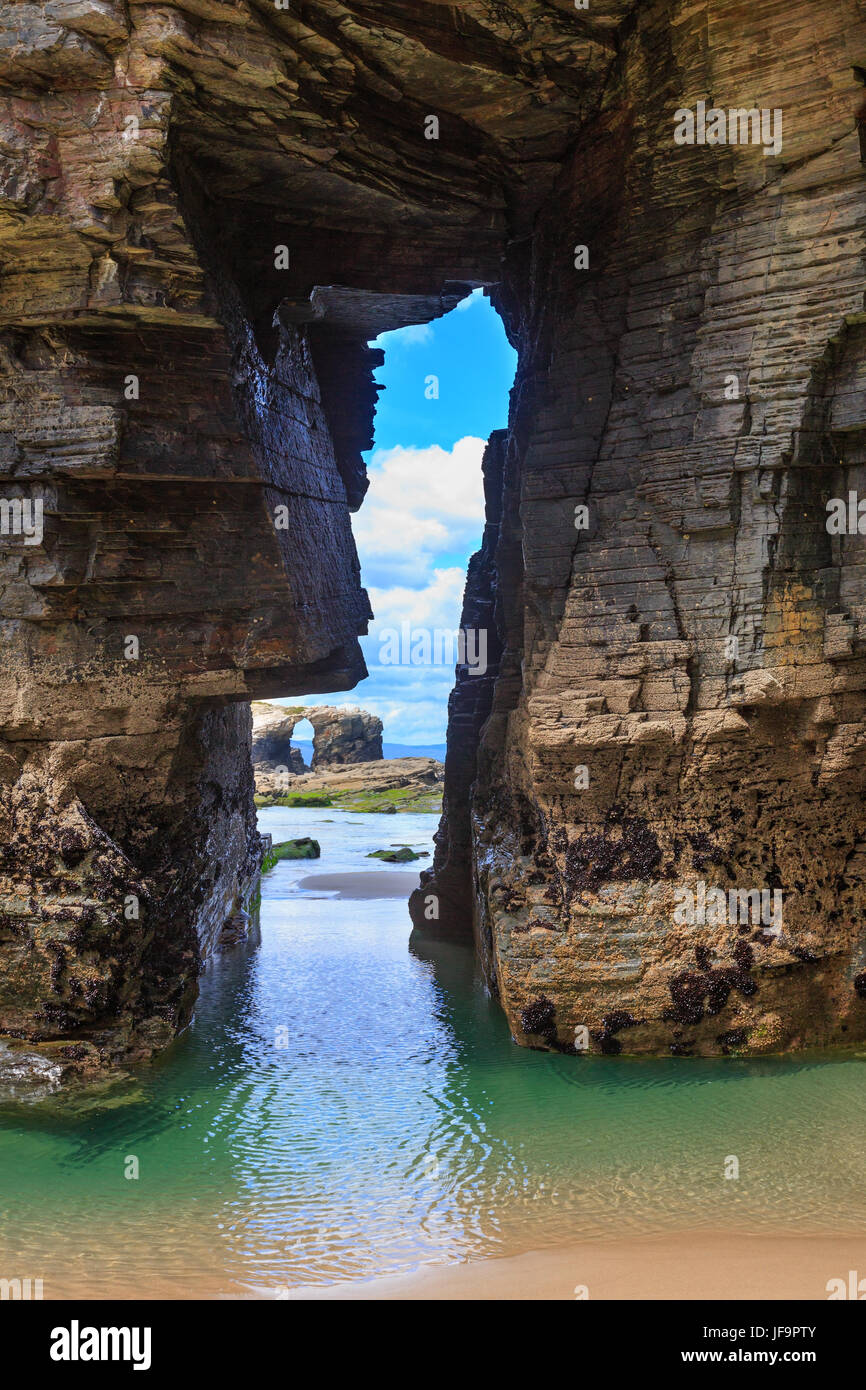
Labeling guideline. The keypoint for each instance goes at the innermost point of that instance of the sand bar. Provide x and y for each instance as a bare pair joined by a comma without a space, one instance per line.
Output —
359,886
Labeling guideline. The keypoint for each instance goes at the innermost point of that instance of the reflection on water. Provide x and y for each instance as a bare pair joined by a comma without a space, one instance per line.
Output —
342,1108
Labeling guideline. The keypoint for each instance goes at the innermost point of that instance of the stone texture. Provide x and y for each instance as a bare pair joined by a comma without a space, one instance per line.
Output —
706,521
153,160
348,735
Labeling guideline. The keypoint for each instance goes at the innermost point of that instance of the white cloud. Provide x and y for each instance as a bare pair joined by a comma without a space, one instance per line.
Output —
468,302
436,604
406,337
410,700
418,333
422,517
414,698
422,503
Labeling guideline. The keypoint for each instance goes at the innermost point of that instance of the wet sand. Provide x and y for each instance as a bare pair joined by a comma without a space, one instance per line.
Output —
687,1266
360,886
692,1266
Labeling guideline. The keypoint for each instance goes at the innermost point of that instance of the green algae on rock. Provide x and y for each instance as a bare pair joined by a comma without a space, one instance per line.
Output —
403,855
304,848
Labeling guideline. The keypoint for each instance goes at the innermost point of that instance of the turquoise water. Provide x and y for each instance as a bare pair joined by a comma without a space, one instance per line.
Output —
392,1121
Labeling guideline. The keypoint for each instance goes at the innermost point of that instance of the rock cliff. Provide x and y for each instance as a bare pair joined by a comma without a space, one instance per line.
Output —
665,837
206,211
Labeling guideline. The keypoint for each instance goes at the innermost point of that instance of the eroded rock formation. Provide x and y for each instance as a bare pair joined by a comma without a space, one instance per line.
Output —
340,736
206,211
680,699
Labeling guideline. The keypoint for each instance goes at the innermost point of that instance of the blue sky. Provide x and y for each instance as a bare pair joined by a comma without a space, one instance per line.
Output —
424,512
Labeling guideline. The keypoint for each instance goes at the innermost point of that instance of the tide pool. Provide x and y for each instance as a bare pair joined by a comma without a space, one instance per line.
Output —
342,1108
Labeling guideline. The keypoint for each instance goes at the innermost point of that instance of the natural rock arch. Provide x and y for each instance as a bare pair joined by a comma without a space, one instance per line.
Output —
207,212
340,735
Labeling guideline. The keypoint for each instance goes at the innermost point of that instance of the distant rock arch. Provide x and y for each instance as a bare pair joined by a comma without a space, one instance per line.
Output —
340,736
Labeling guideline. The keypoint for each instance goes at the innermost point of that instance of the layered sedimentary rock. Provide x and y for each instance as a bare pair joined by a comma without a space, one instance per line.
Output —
346,735
273,727
680,699
206,212
347,765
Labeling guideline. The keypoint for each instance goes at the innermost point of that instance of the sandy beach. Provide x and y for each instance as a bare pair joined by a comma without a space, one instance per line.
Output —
688,1266
685,1267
